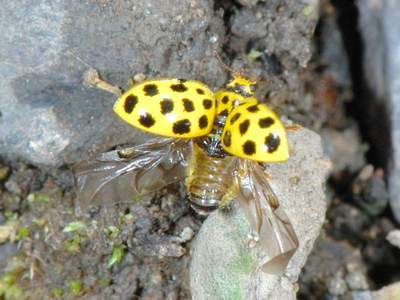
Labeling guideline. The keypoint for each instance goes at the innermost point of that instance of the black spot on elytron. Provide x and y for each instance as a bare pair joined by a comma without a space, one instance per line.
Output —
146,120
188,105
223,113
181,126
227,140
207,103
272,142
225,99
150,90
203,122
253,108
244,126
182,80
249,148
200,91
130,103
167,105
266,122
235,118
179,87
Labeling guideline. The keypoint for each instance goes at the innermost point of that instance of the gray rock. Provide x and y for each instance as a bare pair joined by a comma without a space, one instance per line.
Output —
363,295
380,27
389,292
281,30
344,148
47,115
222,265
248,2
337,286
394,238
7,250
391,24
333,52
357,281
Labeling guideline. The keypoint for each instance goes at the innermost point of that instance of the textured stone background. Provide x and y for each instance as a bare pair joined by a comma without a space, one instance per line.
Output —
49,117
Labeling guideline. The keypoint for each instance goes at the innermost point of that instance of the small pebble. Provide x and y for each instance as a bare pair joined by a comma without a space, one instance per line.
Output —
13,187
363,295
173,295
5,232
248,2
357,281
213,39
4,171
337,286
186,234
2,217
394,238
139,77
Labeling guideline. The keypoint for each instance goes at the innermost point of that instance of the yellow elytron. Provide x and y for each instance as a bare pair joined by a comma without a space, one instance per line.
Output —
213,141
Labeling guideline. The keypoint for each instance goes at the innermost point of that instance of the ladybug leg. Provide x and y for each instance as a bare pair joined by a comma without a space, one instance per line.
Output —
267,175
293,127
92,78
137,78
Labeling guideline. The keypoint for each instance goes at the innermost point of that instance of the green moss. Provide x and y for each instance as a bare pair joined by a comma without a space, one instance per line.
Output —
38,197
22,232
308,10
112,231
225,284
13,292
39,221
116,255
229,280
104,282
10,215
57,292
125,218
75,287
236,293
9,278
254,54
74,244
9,290
4,172
244,262
74,227
136,199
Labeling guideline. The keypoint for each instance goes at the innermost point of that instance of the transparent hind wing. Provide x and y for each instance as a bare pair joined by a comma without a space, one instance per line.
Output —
131,171
266,217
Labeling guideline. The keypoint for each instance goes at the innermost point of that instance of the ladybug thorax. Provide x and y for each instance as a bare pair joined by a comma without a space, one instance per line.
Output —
241,85
211,143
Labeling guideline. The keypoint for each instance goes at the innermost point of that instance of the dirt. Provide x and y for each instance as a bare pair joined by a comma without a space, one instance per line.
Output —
62,254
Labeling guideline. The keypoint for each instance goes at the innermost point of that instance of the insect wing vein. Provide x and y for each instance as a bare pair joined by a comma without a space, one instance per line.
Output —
109,174
266,217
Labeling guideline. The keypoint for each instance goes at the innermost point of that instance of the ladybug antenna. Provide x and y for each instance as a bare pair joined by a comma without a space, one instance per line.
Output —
260,80
234,73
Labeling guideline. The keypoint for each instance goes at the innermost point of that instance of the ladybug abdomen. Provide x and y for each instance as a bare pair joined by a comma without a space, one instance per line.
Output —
209,180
